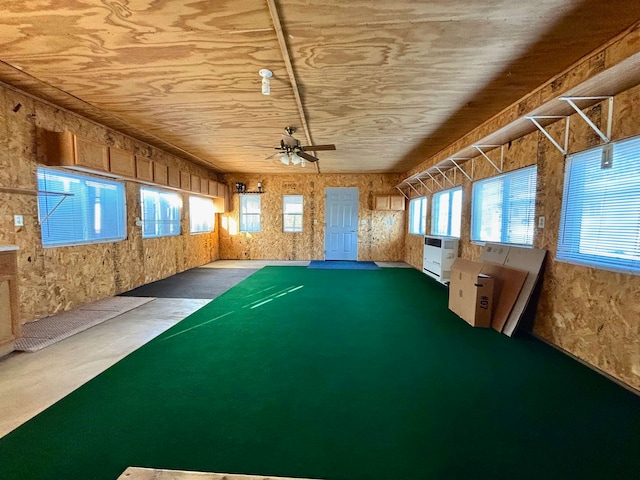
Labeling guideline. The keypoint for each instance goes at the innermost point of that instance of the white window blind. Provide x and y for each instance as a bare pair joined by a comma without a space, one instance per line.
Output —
418,215
202,214
446,212
600,220
95,210
503,208
249,213
292,213
160,213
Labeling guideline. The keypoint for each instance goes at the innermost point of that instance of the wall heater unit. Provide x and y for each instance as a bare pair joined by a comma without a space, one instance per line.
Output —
439,254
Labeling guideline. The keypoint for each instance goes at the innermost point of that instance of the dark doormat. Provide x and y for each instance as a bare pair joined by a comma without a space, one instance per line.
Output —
206,283
343,265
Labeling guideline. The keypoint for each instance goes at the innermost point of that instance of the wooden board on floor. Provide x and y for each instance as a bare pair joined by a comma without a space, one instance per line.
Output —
138,473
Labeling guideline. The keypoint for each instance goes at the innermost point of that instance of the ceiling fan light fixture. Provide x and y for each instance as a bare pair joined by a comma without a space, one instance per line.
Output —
266,83
284,158
295,159
303,163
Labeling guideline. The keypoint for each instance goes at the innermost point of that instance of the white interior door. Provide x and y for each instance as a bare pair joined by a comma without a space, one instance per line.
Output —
341,224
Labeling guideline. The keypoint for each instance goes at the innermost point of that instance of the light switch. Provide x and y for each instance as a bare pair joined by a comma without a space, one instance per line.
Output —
18,220
540,222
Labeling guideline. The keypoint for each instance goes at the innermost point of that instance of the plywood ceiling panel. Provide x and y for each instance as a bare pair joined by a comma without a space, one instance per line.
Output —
389,82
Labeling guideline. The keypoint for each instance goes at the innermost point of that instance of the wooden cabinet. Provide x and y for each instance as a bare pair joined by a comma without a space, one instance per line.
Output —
160,174
195,183
389,202
174,177
9,321
144,169
185,181
64,149
122,163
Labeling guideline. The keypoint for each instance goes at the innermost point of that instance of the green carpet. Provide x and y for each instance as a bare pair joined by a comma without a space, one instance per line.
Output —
346,374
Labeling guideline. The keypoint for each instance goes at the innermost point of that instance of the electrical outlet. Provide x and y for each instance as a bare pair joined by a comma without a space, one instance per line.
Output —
541,222
18,220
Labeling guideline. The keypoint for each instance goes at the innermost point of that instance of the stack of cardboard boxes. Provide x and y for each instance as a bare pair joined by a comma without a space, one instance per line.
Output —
495,290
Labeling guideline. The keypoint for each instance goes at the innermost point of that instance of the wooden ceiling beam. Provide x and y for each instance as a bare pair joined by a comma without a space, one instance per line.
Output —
277,25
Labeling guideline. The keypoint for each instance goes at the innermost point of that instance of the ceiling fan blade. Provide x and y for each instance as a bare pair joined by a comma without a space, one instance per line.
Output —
257,146
307,157
318,148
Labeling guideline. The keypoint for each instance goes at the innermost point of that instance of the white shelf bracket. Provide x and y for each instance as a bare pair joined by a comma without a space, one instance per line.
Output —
442,173
62,196
424,184
403,194
453,160
571,101
480,147
534,120
432,178
414,189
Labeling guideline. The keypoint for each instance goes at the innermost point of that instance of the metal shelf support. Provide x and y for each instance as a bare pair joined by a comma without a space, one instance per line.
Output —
480,147
453,160
403,194
607,137
534,120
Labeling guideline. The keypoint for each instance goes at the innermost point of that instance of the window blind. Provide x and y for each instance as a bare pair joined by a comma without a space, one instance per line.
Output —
503,208
418,215
249,213
446,212
292,213
94,211
600,219
160,213
202,215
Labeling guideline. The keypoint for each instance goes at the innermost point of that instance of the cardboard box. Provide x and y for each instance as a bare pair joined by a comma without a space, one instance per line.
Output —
530,260
507,284
471,293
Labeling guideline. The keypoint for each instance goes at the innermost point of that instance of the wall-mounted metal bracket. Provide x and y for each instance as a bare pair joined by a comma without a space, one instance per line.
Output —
403,194
414,189
424,184
63,196
480,147
433,178
453,160
447,178
534,120
607,137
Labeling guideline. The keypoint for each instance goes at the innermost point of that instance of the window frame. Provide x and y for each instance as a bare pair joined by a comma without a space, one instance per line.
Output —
422,213
619,196
451,192
159,224
509,209
244,226
208,227
53,204
296,217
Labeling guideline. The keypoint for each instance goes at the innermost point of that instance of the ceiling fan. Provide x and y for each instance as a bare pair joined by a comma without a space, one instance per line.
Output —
290,152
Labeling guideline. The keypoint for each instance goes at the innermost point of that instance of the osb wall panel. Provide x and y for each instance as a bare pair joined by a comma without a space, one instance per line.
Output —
593,314
56,279
380,233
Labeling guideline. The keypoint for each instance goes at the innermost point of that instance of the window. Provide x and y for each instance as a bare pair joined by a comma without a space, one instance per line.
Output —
292,213
503,208
446,213
94,211
600,220
249,213
160,213
418,215
202,215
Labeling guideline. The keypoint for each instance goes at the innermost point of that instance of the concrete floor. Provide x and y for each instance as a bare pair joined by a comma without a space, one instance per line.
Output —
31,382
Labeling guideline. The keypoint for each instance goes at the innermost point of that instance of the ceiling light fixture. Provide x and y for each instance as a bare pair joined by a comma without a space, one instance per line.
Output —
266,83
